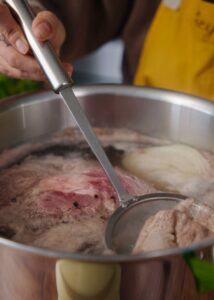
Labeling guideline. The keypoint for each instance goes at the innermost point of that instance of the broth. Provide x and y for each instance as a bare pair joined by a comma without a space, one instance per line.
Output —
55,195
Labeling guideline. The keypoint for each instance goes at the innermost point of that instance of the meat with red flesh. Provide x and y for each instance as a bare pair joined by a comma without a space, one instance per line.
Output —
83,190
46,195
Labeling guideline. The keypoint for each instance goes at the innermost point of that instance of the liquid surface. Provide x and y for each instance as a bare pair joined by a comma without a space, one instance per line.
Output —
55,195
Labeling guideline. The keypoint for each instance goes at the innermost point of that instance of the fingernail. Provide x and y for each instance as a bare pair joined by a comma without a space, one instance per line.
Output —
21,46
68,69
42,29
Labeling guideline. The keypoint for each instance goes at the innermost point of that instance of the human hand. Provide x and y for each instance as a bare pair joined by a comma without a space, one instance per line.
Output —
15,56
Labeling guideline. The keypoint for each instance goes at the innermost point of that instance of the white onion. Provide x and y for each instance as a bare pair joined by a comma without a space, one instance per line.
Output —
172,167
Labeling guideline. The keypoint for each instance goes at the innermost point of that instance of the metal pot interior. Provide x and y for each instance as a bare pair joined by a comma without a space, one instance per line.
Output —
154,112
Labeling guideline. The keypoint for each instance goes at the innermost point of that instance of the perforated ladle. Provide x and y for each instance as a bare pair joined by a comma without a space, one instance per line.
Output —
123,227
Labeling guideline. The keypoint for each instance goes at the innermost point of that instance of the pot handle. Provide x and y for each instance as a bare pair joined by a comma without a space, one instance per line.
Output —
44,53
87,280
202,270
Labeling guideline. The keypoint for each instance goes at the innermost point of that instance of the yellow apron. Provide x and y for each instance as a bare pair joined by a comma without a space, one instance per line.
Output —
179,49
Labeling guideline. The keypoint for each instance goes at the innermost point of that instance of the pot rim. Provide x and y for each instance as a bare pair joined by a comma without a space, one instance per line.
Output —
177,98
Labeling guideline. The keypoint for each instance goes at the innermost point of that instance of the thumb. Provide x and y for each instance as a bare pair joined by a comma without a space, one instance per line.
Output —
46,26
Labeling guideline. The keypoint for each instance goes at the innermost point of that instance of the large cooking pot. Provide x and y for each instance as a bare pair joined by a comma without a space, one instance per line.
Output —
30,273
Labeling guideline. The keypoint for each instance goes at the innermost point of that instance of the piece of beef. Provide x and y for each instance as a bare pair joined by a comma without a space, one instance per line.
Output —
187,223
14,182
157,233
188,230
47,195
84,189
84,236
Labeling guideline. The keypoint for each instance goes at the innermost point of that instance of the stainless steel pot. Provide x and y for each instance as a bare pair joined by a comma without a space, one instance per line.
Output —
30,273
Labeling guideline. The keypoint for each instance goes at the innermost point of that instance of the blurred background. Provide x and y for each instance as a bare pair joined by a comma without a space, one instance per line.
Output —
101,66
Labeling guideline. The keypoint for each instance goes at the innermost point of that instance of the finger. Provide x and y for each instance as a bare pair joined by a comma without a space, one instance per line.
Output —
10,69
46,26
18,61
15,65
26,63
19,74
68,68
12,30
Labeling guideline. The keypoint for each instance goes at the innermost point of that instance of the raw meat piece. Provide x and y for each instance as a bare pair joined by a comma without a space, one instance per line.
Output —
187,223
157,233
84,236
48,194
188,230
84,189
